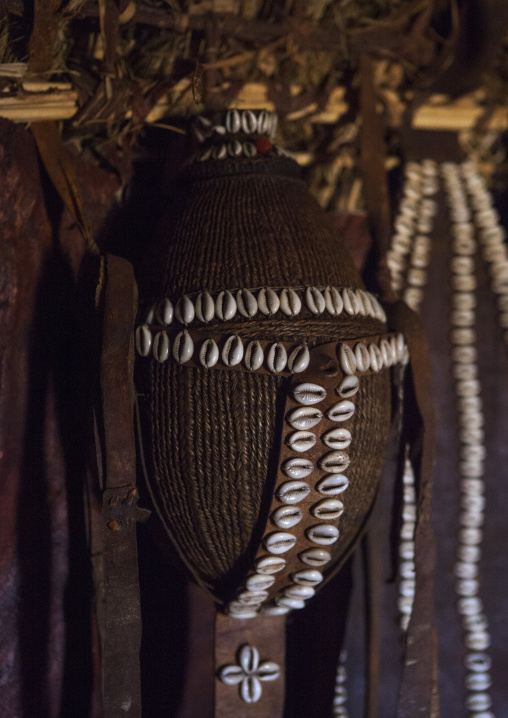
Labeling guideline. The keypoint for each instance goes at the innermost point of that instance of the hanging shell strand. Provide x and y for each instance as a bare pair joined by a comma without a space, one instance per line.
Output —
472,448
409,250
463,205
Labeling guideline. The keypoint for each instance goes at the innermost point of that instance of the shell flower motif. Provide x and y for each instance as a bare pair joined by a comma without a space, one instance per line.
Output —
248,673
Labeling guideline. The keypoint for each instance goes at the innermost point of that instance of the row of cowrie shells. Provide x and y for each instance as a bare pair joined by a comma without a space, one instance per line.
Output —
415,245
407,569
472,452
415,215
374,357
276,358
229,149
492,237
246,122
290,493
420,251
247,302
340,692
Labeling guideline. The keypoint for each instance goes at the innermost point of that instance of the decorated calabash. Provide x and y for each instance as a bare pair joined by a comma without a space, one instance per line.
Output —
263,376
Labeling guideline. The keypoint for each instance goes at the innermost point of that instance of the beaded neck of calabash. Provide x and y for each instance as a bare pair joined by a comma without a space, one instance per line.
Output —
236,134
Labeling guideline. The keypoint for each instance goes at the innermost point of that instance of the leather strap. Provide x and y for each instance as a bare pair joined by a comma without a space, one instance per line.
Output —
418,692
122,638
324,371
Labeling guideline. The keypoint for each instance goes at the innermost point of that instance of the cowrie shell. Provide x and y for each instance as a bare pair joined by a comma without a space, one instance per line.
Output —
205,307
290,302
275,610
333,485
333,301
323,534
297,591
462,265
380,312
252,598
401,346
234,148
221,151
362,357
184,310
233,122
249,122
376,359
348,386
209,353
367,303
304,417
225,306
246,303
347,359
277,358
299,359
315,557
290,602
328,509
249,149
268,301
160,347
337,438
149,314
308,577
240,614
464,282
287,516
315,300
183,347
301,441
298,468
279,542
363,309
341,411
351,302
263,122
386,353
273,123
164,312
232,352
143,340
309,394
206,154
270,564
259,582
254,356
335,462
292,492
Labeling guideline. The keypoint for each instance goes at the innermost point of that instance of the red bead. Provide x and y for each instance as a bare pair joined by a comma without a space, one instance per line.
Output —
263,145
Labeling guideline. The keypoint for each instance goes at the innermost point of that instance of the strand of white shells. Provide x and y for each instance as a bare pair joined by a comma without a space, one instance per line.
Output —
412,225
492,236
302,583
407,568
334,462
361,358
244,122
268,302
472,448
340,694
